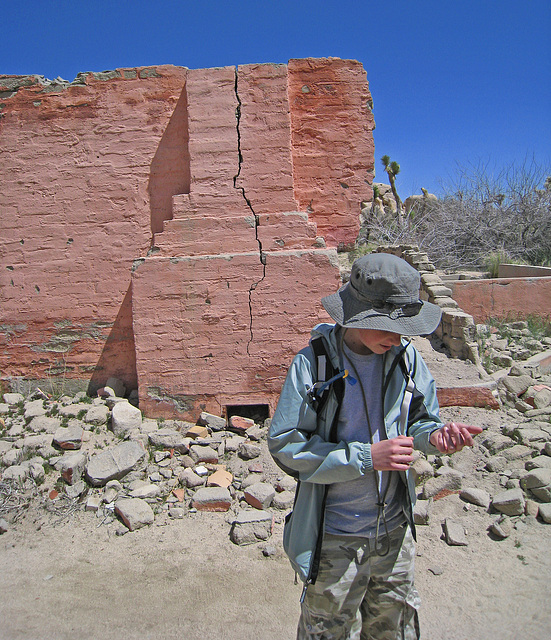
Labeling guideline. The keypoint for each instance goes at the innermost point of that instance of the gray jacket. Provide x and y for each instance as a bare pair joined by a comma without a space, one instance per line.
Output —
303,442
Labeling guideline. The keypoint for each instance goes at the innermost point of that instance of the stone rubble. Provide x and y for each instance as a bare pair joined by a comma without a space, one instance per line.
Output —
103,457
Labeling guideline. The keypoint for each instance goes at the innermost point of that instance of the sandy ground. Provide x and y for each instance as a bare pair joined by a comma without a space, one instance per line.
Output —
184,579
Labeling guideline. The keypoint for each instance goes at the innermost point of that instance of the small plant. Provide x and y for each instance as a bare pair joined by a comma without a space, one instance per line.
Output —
493,260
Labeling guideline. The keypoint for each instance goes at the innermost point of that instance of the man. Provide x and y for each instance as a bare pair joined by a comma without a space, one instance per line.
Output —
349,441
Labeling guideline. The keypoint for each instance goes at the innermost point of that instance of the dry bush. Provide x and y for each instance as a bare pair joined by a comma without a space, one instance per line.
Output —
480,215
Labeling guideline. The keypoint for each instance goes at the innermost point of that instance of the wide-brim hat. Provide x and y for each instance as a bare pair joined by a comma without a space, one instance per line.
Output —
383,293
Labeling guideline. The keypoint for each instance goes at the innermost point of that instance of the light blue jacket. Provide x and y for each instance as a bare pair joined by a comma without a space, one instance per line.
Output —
303,442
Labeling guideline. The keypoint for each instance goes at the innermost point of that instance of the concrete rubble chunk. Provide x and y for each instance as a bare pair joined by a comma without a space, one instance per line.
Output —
251,526
233,443
34,408
216,423
16,472
11,456
68,437
539,477
446,482
148,490
97,415
44,423
283,500
421,470
495,442
114,463
542,398
125,418
476,496
249,451
188,478
545,512
260,495
75,490
212,499
205,454
285,483
502,527
134,512
240,424
516,385
169,439
117,386
93,503
72,466
517,452
538,462
510,502
421,512
4,526
454,533
13,398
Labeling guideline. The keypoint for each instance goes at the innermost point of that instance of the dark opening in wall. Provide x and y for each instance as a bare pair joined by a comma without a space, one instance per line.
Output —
257,412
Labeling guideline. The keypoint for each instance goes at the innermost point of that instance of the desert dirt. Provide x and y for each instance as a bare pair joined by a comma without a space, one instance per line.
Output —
185,579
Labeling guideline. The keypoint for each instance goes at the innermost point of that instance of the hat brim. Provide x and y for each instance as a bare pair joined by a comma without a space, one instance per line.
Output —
350,313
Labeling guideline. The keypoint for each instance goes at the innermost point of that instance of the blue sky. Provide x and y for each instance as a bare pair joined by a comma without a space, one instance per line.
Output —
453,82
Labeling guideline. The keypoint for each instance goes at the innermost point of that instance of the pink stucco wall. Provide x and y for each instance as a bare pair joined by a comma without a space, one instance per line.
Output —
129,196
503,297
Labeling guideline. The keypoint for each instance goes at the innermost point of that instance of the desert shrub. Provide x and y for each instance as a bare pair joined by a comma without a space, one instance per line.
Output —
480,214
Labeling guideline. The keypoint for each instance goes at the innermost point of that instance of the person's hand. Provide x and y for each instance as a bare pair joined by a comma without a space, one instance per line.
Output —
453,436
395,454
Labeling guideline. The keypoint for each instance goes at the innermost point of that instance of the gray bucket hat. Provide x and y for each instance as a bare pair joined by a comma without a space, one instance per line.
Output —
383,293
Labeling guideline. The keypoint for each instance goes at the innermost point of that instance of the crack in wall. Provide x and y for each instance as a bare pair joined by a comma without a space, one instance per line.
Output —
247,200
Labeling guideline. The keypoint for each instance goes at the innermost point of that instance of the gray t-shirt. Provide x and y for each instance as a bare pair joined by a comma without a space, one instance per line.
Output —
351,507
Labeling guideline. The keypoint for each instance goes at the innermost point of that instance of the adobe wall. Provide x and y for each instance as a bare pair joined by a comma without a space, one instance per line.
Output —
151,217
503,297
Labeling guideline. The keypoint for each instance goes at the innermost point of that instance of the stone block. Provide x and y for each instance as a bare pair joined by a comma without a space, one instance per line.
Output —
203,454
448,482
260,495
216,423
134,512
421,512
211,499
125,418
454,533
510,502
169,439
477,496
68,438
251,526
240,424
115,463
72,466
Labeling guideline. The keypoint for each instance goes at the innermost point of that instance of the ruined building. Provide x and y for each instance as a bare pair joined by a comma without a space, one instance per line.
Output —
176,228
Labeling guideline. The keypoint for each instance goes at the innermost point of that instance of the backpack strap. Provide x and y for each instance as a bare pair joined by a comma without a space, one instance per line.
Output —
408,394
326,375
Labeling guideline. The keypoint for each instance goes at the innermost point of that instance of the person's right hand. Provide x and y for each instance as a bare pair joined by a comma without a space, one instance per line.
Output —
395,454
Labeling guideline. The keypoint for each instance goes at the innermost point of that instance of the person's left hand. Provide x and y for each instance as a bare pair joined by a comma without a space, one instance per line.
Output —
453,436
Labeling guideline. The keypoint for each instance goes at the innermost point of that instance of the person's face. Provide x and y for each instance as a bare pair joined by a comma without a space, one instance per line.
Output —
365,341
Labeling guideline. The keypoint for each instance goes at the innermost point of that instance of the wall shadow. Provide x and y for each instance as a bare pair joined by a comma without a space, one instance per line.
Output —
170,169
118,357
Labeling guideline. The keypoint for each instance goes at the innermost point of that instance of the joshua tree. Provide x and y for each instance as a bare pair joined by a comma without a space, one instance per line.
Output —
393,169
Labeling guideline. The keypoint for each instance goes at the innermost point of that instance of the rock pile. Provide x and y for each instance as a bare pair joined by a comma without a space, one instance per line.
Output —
102,456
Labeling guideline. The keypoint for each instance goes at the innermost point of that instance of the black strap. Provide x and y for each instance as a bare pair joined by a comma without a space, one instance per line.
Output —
324,371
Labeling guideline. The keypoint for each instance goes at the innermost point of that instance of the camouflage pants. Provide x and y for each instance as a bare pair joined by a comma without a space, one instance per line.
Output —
359,595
